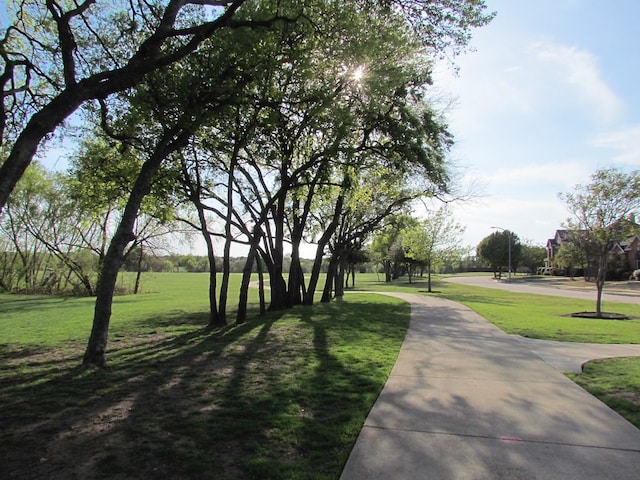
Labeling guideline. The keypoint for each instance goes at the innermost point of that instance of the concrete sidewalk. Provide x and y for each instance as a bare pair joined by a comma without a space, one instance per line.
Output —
467,401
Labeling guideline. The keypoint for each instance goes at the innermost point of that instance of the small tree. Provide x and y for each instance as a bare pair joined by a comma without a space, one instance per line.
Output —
576,253
386,248
532,256
601,209
431,241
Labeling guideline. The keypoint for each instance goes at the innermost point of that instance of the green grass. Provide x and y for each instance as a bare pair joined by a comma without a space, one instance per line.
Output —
547,317
534,316
47,321
281,397
616,382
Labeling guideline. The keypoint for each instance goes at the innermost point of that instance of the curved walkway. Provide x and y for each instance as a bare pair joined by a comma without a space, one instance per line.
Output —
564,356
467,401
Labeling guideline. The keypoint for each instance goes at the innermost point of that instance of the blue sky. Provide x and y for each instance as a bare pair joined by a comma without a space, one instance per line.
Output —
550,94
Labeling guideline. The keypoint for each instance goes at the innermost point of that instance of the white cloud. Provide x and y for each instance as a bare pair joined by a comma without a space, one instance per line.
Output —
527,79
534,219
579,69
524,123
625,141
544,175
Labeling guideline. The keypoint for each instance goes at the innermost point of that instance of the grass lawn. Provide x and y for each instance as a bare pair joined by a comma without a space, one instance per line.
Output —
534,316
281,397
616,382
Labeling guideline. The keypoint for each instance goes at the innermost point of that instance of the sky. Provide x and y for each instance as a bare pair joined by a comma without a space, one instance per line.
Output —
549,94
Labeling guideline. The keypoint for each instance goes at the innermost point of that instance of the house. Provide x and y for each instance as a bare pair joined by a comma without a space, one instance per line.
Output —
625,254
553,245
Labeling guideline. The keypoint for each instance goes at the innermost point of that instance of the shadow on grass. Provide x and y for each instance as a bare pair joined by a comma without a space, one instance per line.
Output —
283,396
26,303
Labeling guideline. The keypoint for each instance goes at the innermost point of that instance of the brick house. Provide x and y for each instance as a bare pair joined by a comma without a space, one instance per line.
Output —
625,254
553,245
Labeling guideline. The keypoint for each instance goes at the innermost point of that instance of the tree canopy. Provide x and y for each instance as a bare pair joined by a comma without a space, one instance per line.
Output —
56,56
501,249
271,118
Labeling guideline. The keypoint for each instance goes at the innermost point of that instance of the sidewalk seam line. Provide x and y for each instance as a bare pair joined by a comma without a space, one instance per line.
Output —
489,437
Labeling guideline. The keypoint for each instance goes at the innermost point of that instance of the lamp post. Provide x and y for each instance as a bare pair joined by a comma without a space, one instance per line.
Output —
509,249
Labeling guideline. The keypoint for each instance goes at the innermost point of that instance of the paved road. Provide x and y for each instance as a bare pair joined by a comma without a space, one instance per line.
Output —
532,287
465,401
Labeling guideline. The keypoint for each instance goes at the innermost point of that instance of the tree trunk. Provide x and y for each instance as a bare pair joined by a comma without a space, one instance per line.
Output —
396,270
339,281
297,290
226,264
600,280
263,308
241,316
322,243
429,278
224,284
214,319
195,197
95,353
279,297
136,287
315,275
296,276
328,284
24,149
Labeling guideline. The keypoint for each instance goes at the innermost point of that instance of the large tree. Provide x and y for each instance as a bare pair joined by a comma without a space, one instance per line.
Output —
386,246
532,256
576,252
24,259
333,112
600,211
159,122
58,55
500,249
55,55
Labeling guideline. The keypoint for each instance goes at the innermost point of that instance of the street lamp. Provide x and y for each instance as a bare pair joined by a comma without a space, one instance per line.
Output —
509,240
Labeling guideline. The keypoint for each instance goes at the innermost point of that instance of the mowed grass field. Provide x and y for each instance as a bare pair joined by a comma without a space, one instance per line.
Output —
283,396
